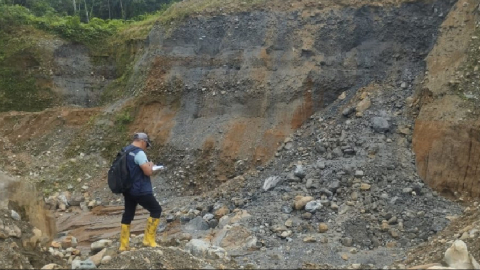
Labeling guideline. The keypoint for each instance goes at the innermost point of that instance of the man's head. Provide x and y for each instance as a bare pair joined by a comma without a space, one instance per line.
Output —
141,140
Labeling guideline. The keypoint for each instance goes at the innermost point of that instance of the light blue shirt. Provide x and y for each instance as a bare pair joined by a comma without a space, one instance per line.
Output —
140,158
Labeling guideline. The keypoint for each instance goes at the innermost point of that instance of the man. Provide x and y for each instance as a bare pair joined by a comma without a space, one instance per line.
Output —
141,192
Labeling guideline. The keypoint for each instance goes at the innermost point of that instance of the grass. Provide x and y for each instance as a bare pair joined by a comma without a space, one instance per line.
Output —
21,87
184,9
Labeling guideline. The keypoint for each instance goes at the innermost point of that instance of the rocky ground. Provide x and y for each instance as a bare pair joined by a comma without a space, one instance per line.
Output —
341,192
20,244
344,187
465,228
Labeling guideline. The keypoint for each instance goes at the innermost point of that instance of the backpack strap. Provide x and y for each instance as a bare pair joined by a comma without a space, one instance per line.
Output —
129,148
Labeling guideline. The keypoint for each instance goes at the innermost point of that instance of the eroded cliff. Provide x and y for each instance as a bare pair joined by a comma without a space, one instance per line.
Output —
224,89
447,130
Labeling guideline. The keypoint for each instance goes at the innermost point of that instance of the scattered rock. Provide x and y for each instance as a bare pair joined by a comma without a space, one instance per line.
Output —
363,105
307,215
68,241
197,224
106,260
287,209
52,266
348,111
299,172
203,249
313,206
322,227
271,182
365,186
86,264
301,201
100,244
309,239
97,258
222,212
380,124
208,216
15,216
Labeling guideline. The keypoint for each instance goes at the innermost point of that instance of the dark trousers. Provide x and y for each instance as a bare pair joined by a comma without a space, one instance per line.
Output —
146,201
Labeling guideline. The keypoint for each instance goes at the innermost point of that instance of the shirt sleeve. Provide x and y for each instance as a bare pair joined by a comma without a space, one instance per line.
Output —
140,158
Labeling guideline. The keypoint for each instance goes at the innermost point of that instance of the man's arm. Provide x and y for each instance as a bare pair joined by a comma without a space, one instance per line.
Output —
147,168
145,165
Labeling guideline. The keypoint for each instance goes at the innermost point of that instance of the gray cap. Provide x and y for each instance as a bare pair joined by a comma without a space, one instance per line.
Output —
142,136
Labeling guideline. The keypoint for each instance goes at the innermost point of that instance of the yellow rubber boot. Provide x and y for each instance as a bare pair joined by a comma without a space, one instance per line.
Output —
125,237
151,232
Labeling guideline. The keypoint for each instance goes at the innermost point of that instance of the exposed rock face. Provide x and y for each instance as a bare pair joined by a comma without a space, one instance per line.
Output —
12,193
74,76
446,138
234,86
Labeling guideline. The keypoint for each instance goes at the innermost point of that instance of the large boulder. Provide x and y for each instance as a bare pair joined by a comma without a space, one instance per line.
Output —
238,217
234,238
458,257
203,249
197,224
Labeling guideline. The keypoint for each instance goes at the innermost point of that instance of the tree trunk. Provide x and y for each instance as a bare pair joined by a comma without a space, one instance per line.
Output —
109,12
86,10
123,11
74,7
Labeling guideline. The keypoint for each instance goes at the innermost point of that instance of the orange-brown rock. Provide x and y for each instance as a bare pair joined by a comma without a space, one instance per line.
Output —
301,201
221,212
446,138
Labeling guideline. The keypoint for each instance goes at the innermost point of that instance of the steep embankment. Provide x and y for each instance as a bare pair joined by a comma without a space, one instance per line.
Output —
25,226
447,130
219,92
39,70
227,89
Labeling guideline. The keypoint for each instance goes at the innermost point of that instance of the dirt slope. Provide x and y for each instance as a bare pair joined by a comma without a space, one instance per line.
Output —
447,130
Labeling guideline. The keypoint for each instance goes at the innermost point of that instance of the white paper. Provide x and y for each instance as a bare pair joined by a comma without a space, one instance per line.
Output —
157,167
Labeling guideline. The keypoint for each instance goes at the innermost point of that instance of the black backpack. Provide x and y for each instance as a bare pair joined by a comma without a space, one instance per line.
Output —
119,179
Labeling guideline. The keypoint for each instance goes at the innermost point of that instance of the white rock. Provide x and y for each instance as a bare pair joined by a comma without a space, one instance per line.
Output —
271,182
358,173
15,215
87,264
100,244
208,216
457,256
52,266
313,206
107,259
200,248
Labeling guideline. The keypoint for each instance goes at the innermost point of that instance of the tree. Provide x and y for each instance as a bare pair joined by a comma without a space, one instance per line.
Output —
86,9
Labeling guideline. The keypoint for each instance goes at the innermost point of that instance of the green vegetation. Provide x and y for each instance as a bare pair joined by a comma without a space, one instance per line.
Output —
185,9
33,98
88,9
22,84
114,30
